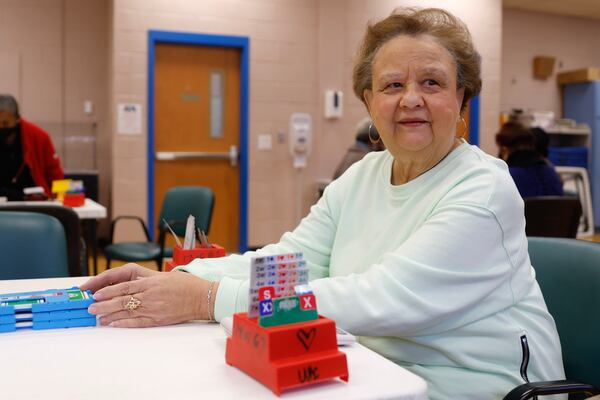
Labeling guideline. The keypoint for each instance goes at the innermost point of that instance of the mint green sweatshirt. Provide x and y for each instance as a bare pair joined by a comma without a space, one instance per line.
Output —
433,274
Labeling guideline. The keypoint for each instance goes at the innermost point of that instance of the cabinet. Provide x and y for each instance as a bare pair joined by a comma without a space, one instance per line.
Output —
581,102
569,144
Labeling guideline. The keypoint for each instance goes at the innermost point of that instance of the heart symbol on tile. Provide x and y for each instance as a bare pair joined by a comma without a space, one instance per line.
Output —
306,338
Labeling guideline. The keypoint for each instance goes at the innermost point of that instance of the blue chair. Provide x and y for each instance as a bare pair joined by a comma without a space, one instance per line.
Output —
76,251
32,245
178,204
568,272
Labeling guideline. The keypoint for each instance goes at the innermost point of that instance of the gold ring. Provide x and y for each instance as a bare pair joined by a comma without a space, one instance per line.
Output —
132,304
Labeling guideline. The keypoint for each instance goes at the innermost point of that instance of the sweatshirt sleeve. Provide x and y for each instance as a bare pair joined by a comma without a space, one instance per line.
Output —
313,237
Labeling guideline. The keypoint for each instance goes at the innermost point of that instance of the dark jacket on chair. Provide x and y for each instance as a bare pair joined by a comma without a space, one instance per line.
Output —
533,174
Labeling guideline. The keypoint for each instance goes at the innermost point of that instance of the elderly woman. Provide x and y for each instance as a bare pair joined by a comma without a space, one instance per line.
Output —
420,250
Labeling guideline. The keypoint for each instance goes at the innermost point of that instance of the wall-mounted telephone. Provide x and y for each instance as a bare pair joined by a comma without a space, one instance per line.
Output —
300,138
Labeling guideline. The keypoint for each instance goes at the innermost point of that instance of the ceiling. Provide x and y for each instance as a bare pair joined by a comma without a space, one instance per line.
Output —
575,8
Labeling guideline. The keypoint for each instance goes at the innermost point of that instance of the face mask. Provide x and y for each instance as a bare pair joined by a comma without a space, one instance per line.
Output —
6,132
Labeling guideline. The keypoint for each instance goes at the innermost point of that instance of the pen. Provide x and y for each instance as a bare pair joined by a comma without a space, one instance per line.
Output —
203,238
172,233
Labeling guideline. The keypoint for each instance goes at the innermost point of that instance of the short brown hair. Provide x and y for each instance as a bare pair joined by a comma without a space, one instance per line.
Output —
448,31
515,136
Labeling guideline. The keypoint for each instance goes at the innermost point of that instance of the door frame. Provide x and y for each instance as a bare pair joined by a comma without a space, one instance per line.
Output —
199,39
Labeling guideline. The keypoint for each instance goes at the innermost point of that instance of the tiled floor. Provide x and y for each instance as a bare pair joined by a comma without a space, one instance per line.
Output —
595,238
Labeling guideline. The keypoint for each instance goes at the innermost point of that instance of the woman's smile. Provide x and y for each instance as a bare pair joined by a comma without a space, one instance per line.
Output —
413,122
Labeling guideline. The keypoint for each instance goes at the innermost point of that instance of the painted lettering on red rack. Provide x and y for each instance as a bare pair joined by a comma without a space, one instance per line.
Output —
254,339
259,341
306,338
308,373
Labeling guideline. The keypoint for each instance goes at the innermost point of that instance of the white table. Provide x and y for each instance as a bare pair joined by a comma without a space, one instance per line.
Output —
89,212
177,362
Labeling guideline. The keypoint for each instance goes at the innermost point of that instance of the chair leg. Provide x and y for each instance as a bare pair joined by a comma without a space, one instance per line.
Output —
159,264
107,263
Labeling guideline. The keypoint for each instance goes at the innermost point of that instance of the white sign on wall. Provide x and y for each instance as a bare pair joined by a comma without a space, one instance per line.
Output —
129,118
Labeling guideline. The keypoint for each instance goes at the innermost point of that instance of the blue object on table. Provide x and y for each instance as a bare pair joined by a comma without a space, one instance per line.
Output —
46,309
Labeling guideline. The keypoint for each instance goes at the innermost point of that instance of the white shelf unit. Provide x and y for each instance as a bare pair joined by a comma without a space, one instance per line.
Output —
560,136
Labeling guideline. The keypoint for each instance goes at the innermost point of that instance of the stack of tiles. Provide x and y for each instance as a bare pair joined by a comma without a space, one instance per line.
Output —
48,309
279,291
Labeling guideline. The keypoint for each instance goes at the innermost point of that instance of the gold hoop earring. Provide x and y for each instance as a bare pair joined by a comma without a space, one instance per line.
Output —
464,132
371,138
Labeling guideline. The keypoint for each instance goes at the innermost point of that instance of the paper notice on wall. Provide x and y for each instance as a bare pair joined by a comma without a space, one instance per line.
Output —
129,118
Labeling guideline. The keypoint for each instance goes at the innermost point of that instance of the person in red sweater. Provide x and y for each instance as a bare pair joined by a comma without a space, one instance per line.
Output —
27,155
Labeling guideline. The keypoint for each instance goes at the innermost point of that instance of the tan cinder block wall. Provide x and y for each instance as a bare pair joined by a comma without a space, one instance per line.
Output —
298,49
53,57
572,41
283,80
31,35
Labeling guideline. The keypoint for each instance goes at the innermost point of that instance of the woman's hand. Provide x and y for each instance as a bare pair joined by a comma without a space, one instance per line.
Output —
165,298
128,272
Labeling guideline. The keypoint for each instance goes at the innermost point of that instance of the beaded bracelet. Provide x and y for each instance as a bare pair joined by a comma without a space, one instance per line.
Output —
208,298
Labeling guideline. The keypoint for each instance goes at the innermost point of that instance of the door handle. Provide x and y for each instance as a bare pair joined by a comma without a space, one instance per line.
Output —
231,155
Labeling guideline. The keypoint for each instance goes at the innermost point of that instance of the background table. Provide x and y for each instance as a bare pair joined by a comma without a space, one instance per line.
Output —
176,362
88,213
89,210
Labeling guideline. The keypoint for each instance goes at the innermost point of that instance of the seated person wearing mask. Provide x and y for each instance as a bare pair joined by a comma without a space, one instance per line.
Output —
532,173
27,156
